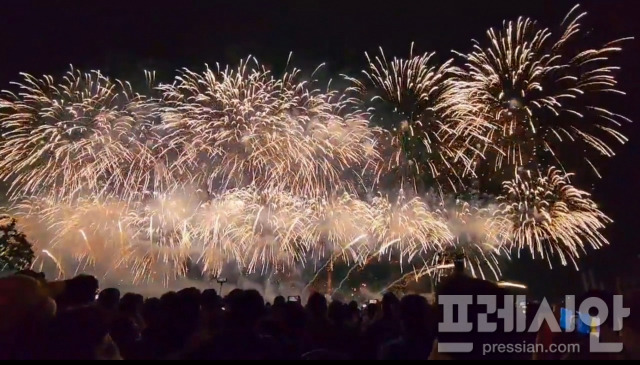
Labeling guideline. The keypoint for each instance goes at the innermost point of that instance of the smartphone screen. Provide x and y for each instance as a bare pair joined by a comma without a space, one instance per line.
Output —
294,299
373,301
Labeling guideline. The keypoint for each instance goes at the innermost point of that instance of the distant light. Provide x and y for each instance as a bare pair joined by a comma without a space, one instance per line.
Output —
515,104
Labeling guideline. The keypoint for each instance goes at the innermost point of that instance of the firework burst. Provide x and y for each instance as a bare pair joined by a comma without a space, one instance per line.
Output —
257,229
415,102
238,165
243,126
88,231
476,236
408,226
342,225
549,216
537,90
86,133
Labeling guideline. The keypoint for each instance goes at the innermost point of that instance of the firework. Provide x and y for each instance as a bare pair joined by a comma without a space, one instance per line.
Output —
237,165
155,239
257,229
82,231
271,230
243,126
82,134
537,90
415,102
474,235
477,237
549,216
220,128
343,224
409,226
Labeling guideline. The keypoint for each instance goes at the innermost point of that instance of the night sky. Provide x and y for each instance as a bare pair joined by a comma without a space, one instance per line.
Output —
124,38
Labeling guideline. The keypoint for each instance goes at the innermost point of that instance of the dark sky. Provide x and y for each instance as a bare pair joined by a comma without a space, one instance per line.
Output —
123,38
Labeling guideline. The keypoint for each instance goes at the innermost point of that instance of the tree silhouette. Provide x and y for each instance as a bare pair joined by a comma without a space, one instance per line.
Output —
16,252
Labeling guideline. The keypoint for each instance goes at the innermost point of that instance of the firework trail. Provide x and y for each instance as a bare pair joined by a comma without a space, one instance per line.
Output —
537,90
549,216
317,274
351,270
416,275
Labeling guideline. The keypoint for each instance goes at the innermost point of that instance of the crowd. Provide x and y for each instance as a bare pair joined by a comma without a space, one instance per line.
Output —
72,320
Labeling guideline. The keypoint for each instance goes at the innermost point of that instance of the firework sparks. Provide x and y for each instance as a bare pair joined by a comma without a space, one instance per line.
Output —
477,236
82,134
255,228
549,216
416,103
409,226
536,90
244,126
237,165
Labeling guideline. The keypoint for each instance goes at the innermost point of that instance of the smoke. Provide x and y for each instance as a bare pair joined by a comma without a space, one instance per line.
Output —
152,256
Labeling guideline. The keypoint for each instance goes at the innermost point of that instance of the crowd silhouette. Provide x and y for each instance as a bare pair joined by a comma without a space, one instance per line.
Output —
72,320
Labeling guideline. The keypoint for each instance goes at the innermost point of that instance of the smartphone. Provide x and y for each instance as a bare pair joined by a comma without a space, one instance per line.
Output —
373,301
294,299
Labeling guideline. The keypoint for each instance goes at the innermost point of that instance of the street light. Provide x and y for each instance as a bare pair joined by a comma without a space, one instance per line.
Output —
221,281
